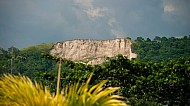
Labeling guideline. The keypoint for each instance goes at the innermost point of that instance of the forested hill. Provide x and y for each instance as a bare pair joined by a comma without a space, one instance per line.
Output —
25,61
161,49
29,59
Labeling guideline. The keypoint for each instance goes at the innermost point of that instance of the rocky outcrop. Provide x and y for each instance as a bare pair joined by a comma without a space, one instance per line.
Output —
92,51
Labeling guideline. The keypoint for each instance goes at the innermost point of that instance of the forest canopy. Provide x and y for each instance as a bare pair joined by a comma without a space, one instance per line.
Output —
161,49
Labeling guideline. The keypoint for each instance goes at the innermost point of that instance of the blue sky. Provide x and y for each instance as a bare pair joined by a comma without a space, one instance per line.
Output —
28,22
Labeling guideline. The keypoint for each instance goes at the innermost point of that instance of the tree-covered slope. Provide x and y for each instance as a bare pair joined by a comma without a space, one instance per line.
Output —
25,61
45,47
161,49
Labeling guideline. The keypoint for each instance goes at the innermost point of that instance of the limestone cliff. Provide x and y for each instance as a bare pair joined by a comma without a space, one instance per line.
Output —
92,51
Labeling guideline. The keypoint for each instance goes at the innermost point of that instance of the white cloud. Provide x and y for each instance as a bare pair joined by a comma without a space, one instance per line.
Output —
111,22
115,28
176,7
84,1
87,7
176,11
169,8
117,33
96,13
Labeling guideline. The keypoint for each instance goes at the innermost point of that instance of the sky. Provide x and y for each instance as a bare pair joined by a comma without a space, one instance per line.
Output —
29,22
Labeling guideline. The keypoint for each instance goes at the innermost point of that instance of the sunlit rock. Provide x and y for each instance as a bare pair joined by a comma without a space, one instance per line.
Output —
92,51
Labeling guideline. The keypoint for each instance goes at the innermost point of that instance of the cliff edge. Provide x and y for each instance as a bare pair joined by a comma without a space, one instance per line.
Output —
92,51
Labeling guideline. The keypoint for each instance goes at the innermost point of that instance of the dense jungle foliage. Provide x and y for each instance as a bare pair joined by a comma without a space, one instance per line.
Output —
159,76
161,48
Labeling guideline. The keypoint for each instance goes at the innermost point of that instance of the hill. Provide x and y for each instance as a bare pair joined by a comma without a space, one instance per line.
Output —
45,47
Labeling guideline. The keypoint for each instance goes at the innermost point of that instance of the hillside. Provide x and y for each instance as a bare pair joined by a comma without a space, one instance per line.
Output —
161,49
45,47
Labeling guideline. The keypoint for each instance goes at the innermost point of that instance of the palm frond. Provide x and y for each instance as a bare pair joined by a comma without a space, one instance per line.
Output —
95,96
21,91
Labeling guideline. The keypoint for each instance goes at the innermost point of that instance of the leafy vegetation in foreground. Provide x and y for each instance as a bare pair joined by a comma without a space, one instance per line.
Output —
151,80
20,91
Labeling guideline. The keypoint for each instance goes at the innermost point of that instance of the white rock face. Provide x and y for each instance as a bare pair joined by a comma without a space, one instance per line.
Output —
92,51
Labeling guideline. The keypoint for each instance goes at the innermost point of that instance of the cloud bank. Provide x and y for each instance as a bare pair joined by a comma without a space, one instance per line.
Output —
28,22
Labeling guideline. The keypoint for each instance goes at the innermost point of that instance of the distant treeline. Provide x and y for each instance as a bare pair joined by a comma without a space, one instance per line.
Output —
161,49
